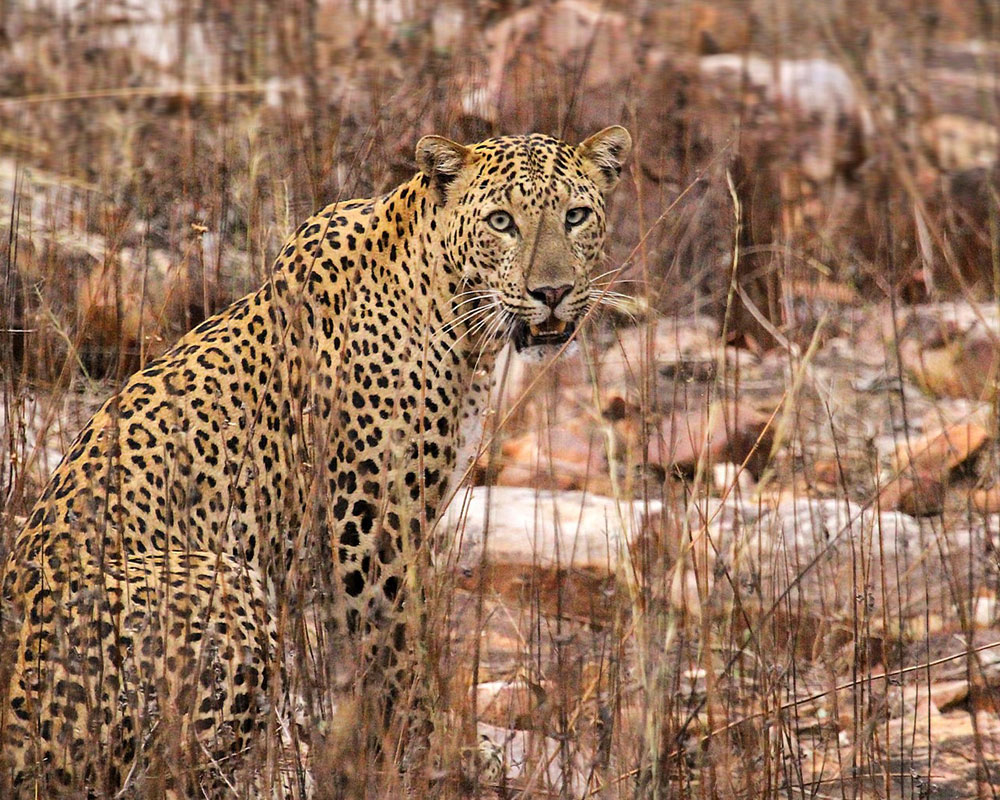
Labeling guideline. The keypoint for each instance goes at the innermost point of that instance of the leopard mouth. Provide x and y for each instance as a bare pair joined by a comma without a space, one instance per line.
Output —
551,333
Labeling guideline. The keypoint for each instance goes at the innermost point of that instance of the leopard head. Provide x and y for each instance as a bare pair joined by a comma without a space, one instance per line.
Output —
523,220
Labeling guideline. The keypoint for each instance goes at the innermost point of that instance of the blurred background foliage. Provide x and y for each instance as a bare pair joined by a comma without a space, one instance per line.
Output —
161,151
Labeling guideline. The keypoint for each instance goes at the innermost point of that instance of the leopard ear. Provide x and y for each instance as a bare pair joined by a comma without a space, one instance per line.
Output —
441,160
607,150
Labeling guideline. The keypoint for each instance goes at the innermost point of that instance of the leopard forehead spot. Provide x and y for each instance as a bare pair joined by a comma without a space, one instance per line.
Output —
319,417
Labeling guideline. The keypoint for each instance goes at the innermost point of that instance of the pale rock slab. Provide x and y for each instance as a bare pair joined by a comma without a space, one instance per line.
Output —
543,529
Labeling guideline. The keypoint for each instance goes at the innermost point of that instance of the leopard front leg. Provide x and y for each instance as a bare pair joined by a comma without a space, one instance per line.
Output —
378,621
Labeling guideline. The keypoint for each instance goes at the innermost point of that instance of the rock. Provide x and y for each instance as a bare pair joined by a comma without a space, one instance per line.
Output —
827,472
919,495
817,93
812,85
676,418
545,528
570,456
530,756
985,609
959,142
808,525
699,27
726,432
846,553
986,501
684,350
515,704
727,476
687,542
923,467
963,365
942,452
569,549
977,694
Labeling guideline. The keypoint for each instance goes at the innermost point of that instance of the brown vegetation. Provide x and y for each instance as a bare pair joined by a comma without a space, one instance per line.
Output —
795,420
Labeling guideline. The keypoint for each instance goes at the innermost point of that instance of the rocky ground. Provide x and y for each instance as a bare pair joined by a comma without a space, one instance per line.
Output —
793,555
744,542
775,573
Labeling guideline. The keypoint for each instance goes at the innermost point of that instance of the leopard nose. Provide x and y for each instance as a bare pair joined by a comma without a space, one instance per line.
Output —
551,295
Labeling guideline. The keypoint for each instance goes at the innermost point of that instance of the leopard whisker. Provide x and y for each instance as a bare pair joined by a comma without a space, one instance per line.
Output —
466,317
478,292
480,297
479,323
617,305
486,322
614,271
471,313
616,282
604,293
502,320
445,330
491,332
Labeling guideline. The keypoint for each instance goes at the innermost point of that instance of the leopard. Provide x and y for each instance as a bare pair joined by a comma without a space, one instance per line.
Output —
326,412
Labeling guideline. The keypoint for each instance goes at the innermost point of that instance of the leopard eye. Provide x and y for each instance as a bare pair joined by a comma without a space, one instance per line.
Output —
501,221
575,216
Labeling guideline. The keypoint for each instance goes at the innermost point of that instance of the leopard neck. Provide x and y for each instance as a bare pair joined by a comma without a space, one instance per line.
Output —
372,305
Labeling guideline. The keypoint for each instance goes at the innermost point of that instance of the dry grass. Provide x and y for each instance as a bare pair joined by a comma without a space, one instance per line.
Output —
150,171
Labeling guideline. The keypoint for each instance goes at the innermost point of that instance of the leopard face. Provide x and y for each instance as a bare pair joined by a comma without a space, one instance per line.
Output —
525,223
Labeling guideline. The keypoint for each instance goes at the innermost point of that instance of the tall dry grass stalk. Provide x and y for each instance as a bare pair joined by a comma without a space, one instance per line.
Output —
151,169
